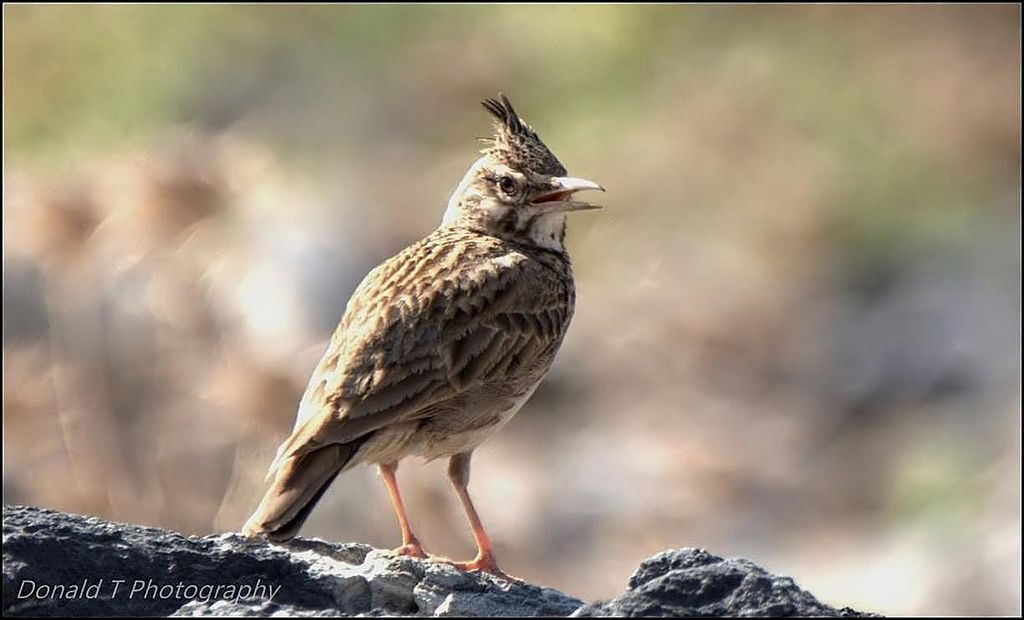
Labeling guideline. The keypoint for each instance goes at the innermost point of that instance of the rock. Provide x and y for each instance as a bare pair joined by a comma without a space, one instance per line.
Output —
692,582
59,564
162,573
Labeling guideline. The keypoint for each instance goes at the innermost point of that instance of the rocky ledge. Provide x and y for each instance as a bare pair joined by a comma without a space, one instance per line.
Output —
69,565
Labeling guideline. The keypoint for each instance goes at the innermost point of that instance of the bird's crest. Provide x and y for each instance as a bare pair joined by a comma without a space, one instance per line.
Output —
515,143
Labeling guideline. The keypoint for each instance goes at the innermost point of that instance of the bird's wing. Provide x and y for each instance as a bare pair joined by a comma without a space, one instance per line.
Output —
437,319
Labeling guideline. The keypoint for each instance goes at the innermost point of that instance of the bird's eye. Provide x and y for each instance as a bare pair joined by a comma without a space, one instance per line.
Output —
507,185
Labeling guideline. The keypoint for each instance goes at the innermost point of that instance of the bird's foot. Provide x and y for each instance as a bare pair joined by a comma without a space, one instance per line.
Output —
481,564
411,549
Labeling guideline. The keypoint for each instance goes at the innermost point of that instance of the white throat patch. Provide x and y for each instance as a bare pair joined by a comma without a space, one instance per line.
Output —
547,231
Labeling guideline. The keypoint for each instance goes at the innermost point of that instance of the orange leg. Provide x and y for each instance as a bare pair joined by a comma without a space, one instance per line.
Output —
458,474
410,544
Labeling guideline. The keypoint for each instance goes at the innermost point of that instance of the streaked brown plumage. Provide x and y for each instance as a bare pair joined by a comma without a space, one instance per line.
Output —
443,343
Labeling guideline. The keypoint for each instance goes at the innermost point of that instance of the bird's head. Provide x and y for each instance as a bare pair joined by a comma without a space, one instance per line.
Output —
518,190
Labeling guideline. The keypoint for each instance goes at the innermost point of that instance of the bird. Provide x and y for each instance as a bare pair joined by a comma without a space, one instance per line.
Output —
440,345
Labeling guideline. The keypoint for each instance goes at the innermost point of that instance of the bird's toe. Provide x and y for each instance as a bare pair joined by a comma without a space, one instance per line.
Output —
413,550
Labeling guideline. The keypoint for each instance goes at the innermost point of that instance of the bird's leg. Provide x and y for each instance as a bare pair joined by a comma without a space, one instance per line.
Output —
410,544
458,474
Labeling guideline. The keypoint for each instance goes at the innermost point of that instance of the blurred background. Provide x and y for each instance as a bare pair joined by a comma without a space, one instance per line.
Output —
797,337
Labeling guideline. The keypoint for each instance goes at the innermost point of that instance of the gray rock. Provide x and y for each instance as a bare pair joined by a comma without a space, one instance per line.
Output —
59,564
692,582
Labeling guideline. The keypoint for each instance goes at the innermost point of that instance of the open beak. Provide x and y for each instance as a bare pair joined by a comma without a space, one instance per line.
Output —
560,198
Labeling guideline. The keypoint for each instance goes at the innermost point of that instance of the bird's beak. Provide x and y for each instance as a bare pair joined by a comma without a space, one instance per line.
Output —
560,198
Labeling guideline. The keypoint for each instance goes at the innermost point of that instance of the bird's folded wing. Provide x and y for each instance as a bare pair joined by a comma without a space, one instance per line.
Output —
412,338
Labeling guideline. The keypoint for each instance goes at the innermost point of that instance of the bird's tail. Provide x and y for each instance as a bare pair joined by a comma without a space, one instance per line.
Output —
300,481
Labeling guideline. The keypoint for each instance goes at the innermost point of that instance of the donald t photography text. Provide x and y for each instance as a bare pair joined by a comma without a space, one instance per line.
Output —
147,589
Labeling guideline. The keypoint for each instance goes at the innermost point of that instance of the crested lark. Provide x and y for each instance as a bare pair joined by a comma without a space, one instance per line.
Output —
442,344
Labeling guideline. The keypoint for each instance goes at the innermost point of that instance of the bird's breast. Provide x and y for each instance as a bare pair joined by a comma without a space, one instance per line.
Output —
468,424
